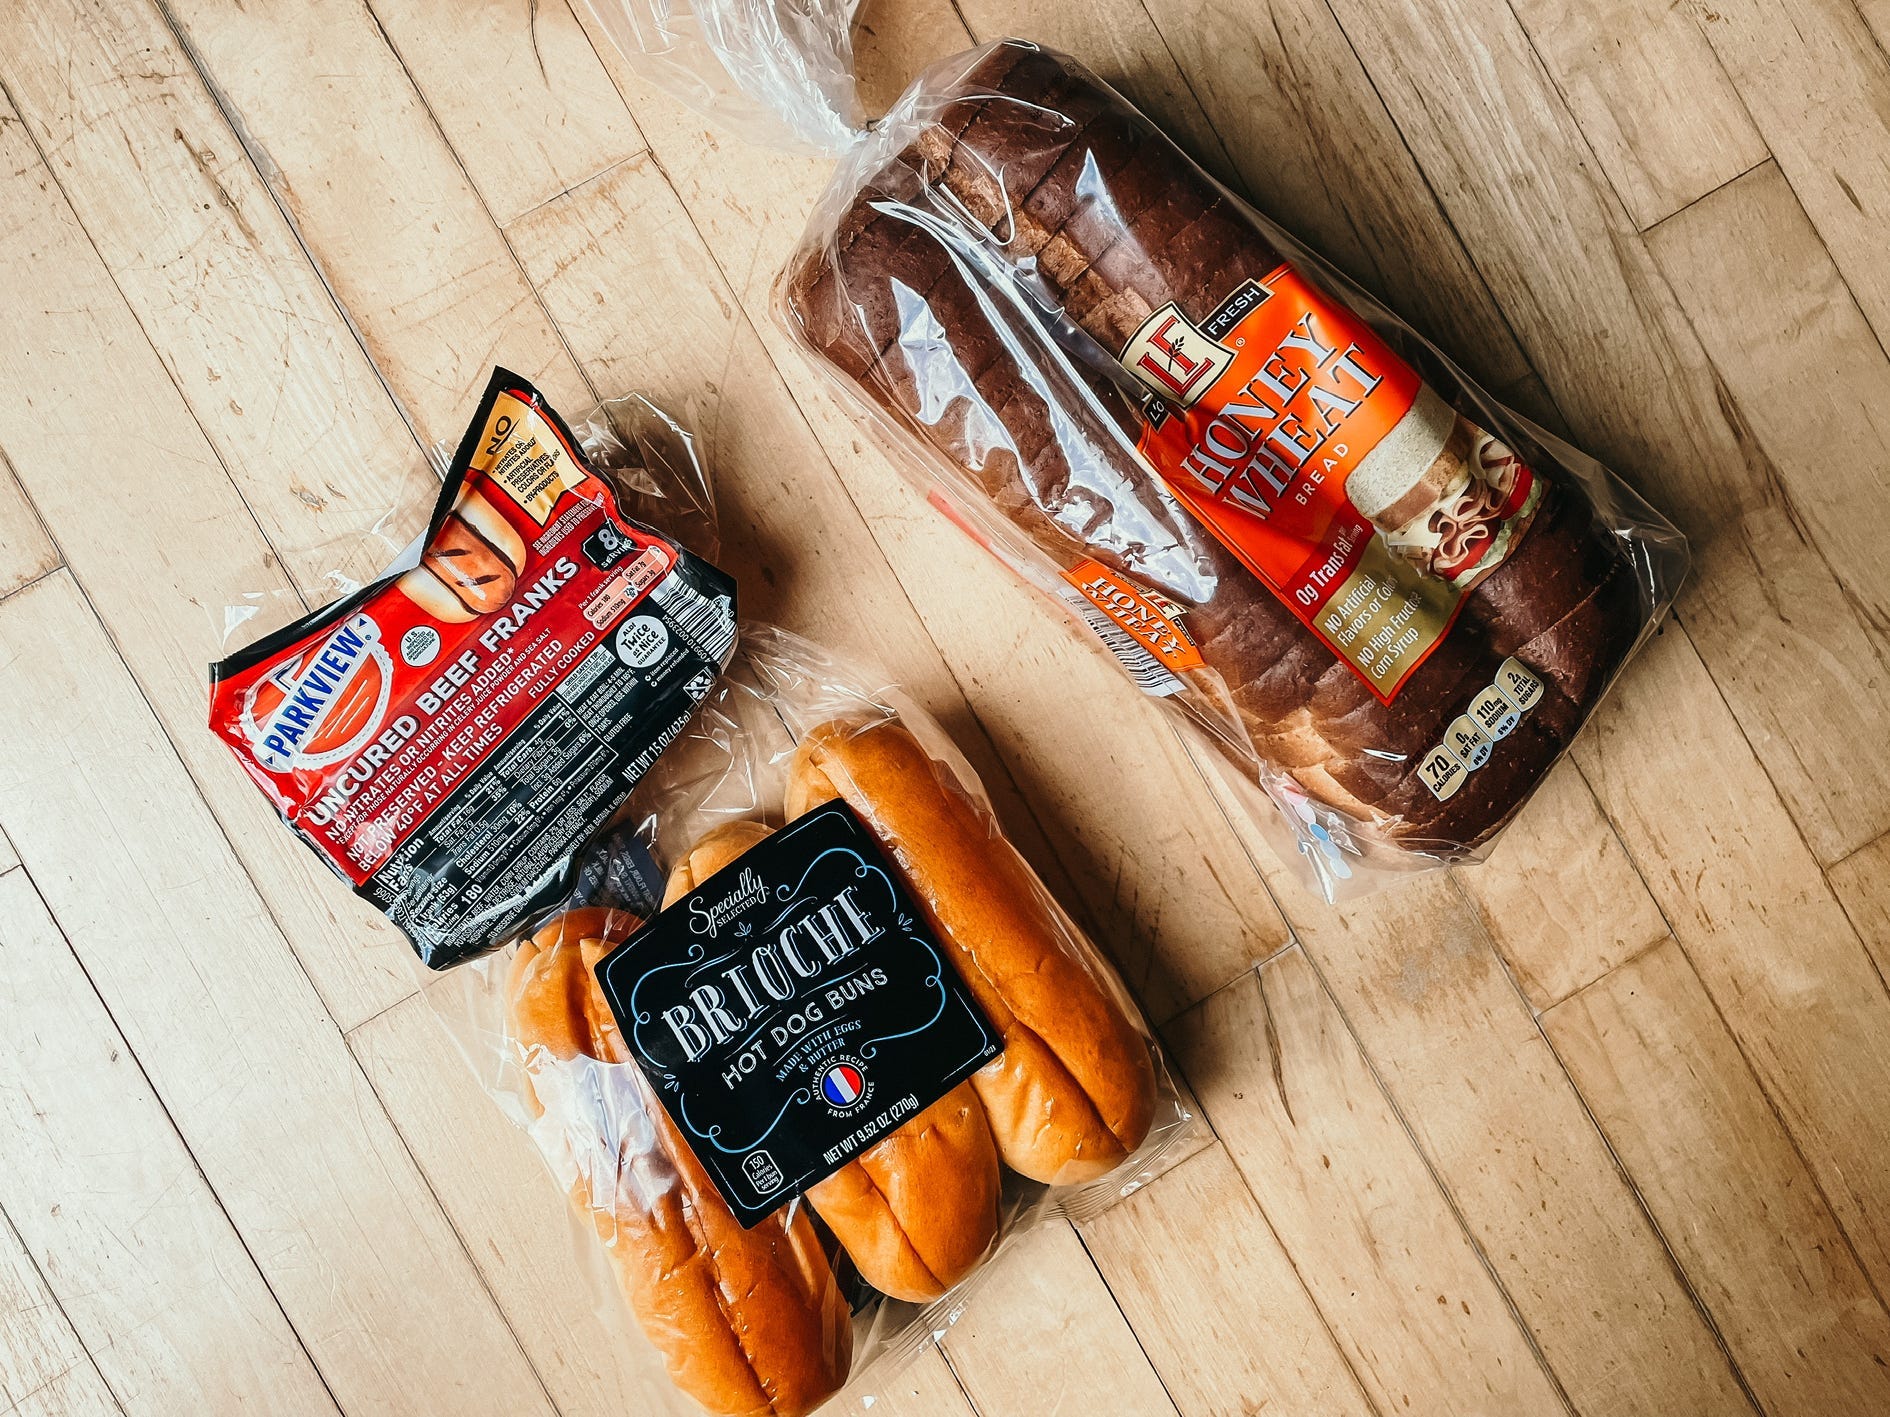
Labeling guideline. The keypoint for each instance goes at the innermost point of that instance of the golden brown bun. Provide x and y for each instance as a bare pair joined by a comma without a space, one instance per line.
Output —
750,1323
1074,1091
917,1211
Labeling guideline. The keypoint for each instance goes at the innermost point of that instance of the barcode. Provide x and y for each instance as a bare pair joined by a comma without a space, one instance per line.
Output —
1150,674
708,626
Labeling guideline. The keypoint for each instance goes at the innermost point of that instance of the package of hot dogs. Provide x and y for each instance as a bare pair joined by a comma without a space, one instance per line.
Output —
448,738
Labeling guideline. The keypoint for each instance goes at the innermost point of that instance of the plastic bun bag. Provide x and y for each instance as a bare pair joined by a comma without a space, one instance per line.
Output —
777,71
729,928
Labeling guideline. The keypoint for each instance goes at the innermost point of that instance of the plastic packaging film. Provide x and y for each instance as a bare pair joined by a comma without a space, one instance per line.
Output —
846,1258
1390,600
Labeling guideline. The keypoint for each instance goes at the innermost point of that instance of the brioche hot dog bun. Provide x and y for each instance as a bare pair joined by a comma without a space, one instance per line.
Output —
750,1323
917,1211
1073,1093
471,565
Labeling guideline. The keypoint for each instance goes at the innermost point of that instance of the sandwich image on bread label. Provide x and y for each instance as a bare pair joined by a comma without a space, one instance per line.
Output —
1446,496
470,566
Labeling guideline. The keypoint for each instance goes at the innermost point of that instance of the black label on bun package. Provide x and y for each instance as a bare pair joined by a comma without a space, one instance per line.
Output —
794,1009
449,737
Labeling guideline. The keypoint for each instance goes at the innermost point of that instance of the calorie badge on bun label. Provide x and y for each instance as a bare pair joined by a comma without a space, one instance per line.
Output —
794,1009
449,737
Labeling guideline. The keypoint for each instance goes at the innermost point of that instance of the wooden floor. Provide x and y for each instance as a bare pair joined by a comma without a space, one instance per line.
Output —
1602,1126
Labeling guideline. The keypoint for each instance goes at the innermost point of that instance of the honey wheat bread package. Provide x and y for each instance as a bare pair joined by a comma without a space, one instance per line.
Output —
1391,601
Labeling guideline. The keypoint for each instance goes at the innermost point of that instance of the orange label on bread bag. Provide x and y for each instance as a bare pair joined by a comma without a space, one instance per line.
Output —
1155,626
1329,468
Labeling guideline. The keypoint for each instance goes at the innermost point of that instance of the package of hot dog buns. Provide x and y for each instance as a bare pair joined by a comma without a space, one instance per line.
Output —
810,1040
448,738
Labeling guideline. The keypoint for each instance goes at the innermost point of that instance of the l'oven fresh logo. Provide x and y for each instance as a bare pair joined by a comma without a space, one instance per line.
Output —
321,706
1174,360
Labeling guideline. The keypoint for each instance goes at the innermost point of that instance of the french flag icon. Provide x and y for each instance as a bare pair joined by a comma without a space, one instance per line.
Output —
842,1084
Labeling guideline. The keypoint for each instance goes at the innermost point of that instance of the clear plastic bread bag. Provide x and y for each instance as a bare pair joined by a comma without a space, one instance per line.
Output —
1386,599
1059,1102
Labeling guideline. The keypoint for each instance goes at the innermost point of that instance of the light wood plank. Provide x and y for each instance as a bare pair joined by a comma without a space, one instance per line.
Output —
1517,179
26,552
1459,1053
1862,883
1747,901
541,1265
1653,102
1812,389
233,1039
1817,85
9,859
923,1387
382,203
1687,1118
1309,140
160,556
44,1369
111,1204
1226,1322
1410,1302
1559,896
202,255
1042,1335
1169,896
541,123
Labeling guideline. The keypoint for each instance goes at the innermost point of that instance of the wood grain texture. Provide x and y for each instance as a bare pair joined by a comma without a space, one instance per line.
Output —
1410,1301
537,124
395,223
108,1201
1459,1053
26,552
1559,896
1862,883
162,559
235,1043
1783,964
1041,1334
1816,81
1813,393
1197,1308
44,1369
1664,120
1689,1121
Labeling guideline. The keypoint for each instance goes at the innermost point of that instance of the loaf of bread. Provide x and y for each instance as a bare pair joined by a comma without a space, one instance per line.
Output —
917,1211
1073,1093
750,1323
1032,211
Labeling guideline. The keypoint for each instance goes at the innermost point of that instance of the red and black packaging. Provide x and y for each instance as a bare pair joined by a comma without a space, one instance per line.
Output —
449,737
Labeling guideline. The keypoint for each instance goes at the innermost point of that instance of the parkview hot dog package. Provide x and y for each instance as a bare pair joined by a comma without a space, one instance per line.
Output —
447,738
1388,600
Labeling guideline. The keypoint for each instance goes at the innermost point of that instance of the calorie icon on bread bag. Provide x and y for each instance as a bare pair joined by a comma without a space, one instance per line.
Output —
449,737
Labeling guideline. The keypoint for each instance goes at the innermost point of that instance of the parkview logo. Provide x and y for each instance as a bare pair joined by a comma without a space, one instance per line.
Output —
319,708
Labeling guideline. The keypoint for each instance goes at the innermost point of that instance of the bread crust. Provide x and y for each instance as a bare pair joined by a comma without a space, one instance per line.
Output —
750,1323
1073,1093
